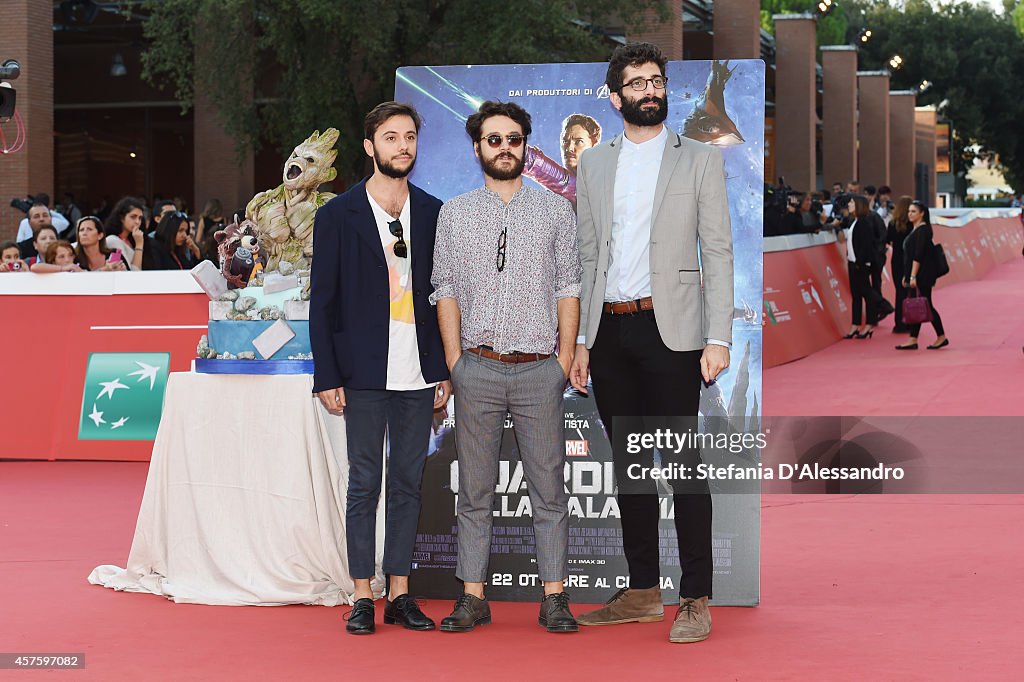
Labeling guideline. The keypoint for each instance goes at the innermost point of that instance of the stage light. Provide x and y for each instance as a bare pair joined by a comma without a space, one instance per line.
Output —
896,62
865,35
825,7
131,154
924,86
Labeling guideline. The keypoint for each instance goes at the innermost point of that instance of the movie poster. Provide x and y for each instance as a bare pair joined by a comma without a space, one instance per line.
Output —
720,103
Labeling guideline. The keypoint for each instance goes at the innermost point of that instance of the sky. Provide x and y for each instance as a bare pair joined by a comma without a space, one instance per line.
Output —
997,5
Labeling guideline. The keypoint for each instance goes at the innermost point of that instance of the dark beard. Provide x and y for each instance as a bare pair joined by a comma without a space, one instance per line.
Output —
632,113
389,170
491,169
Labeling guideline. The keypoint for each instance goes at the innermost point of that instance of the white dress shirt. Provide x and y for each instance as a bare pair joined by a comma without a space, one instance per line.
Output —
629,258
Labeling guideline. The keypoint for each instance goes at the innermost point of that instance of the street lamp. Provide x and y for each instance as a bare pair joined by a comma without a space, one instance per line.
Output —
896,62
924,86
865,35
825,7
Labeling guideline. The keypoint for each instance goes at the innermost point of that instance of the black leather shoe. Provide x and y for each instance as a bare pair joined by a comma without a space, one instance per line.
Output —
469,612
360,618
406,612
555,614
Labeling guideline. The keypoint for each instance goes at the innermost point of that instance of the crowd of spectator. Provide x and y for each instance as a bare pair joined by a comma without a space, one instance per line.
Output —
875,229
127,235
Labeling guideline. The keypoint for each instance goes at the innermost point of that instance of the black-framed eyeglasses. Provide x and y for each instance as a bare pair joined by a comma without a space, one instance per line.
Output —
494,140
401,248
502,241
640,84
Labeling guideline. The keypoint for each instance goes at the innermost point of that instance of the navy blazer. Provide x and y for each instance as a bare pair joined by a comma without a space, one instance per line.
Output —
349,307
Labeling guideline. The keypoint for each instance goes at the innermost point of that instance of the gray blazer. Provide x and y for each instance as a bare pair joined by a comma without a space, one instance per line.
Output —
691,214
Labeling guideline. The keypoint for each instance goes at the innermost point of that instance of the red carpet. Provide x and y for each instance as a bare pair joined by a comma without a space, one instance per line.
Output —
981,372
871,587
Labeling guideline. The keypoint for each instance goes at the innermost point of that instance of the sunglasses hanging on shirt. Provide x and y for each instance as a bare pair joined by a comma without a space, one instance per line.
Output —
401,248
502,240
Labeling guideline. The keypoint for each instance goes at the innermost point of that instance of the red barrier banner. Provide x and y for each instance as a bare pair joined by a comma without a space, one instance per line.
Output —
84,372
807,289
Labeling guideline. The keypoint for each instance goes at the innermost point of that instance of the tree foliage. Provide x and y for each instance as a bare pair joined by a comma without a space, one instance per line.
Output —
277,69
1017,15
974,59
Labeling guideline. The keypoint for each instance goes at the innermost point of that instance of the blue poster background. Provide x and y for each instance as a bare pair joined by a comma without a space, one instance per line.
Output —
446,95
446,166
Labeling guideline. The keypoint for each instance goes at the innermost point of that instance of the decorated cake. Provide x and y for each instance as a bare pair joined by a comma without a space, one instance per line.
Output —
259,296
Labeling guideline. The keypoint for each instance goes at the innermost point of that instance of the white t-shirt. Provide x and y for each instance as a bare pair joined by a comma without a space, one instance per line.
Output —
850,255
404,371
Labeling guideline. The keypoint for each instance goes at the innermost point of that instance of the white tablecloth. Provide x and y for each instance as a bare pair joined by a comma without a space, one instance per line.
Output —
245,499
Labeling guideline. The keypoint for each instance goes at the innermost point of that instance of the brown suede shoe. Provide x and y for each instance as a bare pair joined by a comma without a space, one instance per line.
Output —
693,621
628,606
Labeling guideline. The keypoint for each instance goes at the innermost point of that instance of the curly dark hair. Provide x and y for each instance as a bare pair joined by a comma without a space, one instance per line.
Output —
489,109
632,54
113,225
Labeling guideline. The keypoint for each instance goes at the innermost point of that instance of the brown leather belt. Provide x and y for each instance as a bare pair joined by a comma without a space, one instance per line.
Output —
514,356
646,303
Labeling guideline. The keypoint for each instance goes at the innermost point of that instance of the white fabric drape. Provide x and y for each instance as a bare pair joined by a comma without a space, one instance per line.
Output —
245,498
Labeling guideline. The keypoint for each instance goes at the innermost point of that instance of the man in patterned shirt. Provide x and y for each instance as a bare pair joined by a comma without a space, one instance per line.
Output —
506,285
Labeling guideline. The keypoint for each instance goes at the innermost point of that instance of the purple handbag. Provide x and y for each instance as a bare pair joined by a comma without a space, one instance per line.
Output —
916,309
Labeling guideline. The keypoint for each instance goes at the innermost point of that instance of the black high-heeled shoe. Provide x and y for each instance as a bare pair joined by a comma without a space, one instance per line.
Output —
907,346
851,335
866,335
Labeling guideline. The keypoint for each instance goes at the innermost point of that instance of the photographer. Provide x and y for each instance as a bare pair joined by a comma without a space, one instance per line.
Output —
792,221
885,206
839,220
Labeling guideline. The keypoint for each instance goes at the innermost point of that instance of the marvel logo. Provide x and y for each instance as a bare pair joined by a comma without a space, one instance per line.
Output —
577,448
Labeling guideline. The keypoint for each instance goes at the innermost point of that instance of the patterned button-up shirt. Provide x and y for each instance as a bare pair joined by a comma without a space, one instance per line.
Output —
515,309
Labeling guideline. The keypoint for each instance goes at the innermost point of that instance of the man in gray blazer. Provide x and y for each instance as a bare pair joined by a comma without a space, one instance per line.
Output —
655,320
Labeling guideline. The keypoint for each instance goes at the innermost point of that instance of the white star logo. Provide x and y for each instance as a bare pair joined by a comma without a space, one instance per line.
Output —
145,372
96,416
119,423
109,387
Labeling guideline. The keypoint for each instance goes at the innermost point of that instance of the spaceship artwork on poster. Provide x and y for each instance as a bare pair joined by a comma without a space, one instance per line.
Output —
709,122
285,214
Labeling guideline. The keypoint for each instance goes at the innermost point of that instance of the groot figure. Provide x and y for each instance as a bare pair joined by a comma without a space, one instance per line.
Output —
285,214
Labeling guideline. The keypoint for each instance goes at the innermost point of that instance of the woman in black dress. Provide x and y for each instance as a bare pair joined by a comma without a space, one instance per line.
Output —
917,252
896,232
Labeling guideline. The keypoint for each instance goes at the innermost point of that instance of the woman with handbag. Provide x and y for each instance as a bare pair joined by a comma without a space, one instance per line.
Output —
917,250
896,233
862,255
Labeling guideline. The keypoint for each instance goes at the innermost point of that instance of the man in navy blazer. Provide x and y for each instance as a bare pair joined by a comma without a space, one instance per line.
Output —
378,358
